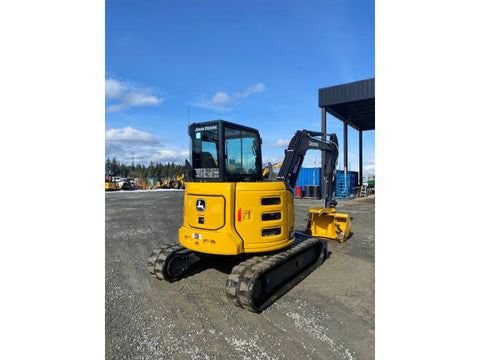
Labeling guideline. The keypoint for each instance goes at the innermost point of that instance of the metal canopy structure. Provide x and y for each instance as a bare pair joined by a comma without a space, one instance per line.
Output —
353,104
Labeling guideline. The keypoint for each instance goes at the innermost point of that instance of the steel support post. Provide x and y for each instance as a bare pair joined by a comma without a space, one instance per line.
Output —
324,138
360,158
345,146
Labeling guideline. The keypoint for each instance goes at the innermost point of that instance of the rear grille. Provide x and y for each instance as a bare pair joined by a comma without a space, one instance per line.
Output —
271,232
271,201
271,216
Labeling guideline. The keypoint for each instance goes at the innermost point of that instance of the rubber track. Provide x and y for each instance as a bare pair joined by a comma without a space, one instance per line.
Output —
241,281
158,258
236,275
151,262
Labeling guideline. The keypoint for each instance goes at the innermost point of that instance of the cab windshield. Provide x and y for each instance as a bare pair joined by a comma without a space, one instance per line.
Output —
241,152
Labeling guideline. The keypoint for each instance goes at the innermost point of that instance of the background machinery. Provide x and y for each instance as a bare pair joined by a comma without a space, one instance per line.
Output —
230,209
177,182
143,184
110,185
268,170
162,183
127,184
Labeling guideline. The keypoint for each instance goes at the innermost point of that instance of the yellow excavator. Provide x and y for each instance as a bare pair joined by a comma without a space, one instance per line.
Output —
230,209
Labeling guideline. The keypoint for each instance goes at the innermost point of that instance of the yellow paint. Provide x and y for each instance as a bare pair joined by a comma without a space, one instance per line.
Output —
327,223
110,186
218,235
232,219
249,196
213,217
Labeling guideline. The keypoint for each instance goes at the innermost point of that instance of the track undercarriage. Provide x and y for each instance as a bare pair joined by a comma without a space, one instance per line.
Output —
254,283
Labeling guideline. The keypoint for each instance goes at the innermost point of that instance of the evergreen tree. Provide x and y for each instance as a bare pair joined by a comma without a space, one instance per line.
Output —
123,170
164,171
138,171
115,170
108,167
150,169
155,170
158,170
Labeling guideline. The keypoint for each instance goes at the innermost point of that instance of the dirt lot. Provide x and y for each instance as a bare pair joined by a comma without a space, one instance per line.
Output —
329,315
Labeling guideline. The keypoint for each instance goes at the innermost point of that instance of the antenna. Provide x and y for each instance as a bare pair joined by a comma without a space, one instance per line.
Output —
188,109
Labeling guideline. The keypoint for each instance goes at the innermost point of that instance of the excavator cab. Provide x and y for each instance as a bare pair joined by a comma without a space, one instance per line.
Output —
225,152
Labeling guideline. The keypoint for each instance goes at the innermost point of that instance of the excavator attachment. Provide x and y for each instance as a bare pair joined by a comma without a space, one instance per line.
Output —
327,223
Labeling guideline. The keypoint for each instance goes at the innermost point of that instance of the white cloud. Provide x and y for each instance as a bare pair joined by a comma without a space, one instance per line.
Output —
177,156
221,98
281,143
251,89
141,146
272,159
113,89
128,96
116,108
130,135
370,166
139,99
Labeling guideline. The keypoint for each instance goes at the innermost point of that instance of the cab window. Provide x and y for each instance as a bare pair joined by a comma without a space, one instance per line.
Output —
241,151
205,150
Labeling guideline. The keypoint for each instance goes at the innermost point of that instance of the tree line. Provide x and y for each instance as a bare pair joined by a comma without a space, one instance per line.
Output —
153,170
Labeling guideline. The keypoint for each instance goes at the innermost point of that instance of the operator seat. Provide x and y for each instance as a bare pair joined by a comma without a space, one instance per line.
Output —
207,161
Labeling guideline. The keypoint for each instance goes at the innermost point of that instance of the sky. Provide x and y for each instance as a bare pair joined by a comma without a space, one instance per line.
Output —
256,63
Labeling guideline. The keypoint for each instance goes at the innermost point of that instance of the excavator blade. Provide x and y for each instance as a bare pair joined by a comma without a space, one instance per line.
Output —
327,223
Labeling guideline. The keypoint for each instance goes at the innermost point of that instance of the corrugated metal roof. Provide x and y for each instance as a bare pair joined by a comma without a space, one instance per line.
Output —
354,91
352,102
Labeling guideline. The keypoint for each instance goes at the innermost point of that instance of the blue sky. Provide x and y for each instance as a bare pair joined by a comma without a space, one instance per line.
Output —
257,63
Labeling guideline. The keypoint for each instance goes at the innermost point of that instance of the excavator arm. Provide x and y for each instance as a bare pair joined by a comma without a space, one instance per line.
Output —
324,221
302,141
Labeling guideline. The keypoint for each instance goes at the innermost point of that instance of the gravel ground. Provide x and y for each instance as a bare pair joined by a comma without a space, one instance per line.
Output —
329,315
